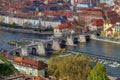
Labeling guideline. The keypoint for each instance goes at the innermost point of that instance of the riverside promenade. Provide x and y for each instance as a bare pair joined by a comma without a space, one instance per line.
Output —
26,31
117,41
95,56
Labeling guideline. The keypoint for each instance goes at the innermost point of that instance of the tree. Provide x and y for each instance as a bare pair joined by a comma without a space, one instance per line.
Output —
74,67
98,73
6,68
13,25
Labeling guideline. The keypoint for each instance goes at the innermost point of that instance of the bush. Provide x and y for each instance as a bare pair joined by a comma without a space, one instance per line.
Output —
98,73
74,67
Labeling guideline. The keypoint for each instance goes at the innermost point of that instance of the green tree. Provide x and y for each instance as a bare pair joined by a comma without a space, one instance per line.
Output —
13,25
74,67
98,73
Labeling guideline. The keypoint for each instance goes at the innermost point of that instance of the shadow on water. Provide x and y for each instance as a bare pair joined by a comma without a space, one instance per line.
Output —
75,41
87,38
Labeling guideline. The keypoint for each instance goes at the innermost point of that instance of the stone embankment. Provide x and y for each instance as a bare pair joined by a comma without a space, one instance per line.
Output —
26,31
105,39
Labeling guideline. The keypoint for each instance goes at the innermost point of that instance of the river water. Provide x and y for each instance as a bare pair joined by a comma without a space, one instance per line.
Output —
94,47
101,48
5,37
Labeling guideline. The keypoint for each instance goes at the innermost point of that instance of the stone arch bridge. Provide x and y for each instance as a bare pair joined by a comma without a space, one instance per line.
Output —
41,47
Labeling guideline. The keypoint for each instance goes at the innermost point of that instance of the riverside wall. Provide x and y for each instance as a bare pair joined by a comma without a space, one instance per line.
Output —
26,31
106,40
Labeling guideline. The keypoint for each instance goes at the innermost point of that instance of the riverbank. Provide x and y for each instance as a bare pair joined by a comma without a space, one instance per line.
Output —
26,31
106,40
112,64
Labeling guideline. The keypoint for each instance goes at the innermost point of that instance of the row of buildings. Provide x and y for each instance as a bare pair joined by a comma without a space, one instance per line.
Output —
47,13
94,2
93,19
32,23
32,68
54,17
33,13
54,13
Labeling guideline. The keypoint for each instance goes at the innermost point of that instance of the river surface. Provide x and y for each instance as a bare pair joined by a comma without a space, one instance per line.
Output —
99,48
5,37
94,47
103,49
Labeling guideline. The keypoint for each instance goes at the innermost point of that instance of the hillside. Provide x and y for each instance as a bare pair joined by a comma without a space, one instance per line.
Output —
6,68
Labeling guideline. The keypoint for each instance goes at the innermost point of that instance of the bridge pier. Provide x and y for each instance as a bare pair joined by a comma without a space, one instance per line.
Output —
55,45
82,38
63,44
41,49
24,51
70,41
92,36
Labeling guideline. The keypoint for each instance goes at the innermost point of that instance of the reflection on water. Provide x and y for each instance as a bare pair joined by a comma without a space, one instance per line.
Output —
108,48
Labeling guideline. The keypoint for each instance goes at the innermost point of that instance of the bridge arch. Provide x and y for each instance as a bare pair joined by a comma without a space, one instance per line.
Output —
34,51
75,40
63,43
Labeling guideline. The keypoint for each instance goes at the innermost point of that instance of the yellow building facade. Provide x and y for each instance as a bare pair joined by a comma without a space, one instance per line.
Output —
111,30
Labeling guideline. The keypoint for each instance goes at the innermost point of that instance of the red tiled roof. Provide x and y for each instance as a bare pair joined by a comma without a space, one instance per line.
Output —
37,78
18,11
50,0
92,12
57,13
40,78
18,59
29,63
98,22
62,26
